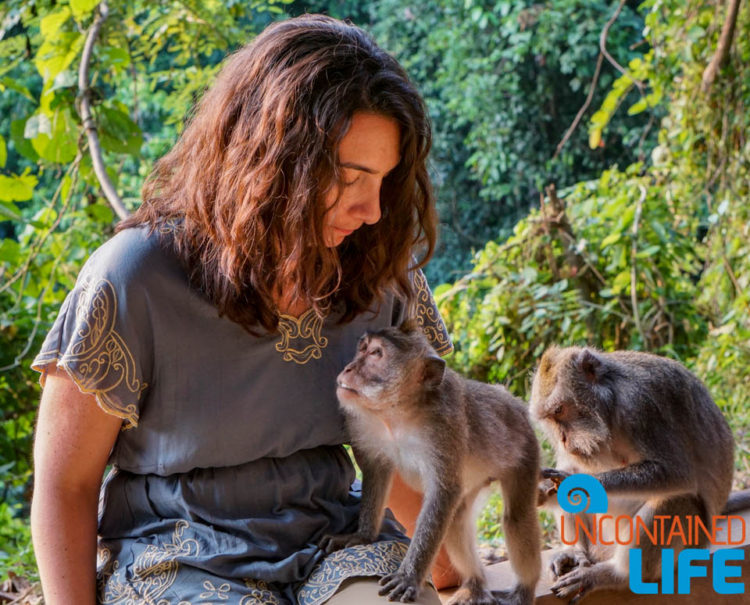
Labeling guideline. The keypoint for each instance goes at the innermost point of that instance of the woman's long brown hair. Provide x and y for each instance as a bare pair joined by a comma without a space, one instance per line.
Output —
248,176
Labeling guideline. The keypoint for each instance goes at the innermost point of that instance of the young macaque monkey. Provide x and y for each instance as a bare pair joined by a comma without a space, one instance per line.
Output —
449,438
648,430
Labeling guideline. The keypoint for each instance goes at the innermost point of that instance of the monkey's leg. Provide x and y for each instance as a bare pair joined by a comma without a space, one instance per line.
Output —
686,508
460,542
522,536
438,507
614,573
376,483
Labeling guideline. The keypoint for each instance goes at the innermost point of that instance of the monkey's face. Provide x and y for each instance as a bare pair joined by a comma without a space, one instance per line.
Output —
565,400
390,371
373,377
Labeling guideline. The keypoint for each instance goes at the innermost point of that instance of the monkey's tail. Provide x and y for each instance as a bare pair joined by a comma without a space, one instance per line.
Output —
737,501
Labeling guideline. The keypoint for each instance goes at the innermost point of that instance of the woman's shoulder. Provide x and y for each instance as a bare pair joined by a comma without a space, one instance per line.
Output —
133,254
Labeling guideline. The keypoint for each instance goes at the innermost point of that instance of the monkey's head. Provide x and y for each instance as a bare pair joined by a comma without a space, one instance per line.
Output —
391,370
571,399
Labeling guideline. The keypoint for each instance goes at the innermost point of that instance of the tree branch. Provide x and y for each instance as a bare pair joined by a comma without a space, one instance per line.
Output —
721,56
633,267
89,123
605,52
602,53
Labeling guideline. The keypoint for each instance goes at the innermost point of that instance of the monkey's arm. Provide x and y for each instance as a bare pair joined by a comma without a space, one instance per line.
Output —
440,502
376,482
649,478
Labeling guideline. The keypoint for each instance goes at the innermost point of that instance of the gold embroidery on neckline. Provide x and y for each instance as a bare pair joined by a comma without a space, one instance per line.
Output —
97,359
306,327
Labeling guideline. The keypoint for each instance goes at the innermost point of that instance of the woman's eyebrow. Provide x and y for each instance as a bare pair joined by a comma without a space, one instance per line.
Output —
366,169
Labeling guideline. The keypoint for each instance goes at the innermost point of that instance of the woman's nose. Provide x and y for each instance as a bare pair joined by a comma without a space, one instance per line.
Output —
367,208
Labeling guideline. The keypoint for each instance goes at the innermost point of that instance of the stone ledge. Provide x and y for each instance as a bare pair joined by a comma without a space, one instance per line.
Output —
500,576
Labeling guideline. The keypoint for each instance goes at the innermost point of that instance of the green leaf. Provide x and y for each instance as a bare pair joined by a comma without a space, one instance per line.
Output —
3,152
10,251
101,213
61,143
115,57
118,132
612,238
638,107
65,79
55,55
81,8
36,125
8,210
12,84
23,145
17,188
51,24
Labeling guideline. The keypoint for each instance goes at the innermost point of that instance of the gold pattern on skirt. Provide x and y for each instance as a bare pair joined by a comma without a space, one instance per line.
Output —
301,337
153,571
97,358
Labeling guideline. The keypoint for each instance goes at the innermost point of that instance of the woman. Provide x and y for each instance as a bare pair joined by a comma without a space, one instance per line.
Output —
197,353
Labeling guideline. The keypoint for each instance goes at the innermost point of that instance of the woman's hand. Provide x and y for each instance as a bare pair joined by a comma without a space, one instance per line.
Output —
74,437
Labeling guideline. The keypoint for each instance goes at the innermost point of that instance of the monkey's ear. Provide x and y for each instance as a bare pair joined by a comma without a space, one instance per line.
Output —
409,325
434,369
589,364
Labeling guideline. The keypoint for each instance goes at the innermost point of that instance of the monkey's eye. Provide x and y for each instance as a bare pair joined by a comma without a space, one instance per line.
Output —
558,411
377,352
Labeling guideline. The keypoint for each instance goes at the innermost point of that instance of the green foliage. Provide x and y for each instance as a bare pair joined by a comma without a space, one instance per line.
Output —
529,292
503,82
657,257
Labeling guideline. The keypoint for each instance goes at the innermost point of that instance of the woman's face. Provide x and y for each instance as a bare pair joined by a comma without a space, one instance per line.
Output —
367,153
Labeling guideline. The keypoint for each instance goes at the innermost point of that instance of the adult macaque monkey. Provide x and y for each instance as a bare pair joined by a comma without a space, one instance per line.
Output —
449,438
648,430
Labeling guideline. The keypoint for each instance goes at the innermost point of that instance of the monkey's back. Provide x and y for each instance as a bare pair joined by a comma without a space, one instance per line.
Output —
662,400
499,424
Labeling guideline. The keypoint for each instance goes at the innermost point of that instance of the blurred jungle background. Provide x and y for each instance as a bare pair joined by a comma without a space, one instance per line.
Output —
591,161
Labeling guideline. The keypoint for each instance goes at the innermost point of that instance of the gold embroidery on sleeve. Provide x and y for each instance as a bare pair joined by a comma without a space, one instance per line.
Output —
427,316
296,333
97,359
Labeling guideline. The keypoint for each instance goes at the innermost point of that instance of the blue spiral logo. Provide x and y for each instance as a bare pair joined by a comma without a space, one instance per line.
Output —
582,493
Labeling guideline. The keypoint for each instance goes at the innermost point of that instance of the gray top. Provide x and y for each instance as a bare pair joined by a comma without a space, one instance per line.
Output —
229,440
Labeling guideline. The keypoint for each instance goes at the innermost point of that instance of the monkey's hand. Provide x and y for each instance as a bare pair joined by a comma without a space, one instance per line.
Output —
331,543
555,475
400,586
568,560
576,584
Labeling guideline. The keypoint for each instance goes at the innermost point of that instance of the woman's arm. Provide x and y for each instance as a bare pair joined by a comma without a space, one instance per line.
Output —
73,440
405,503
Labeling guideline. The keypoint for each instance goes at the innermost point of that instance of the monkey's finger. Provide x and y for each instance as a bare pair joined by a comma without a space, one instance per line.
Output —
554,475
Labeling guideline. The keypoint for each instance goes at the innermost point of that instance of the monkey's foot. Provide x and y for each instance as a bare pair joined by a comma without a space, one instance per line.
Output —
568,560
520,595
399,586
473,592
574,585
330,543
582,580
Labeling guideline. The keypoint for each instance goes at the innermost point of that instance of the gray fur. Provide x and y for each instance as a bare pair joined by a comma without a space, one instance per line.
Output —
449,438
648,430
